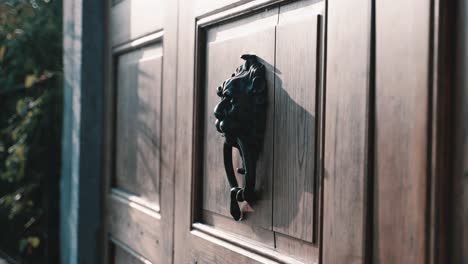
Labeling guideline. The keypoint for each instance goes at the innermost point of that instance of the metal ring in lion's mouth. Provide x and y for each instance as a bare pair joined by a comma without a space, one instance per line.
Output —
245,193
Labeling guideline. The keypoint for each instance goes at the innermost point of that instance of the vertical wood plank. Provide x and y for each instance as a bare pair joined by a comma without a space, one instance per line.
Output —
295,121
442,119
184,124
346,129
168,122
402,74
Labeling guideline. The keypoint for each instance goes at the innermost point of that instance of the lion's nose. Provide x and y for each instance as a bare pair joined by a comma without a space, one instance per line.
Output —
217,112
218,126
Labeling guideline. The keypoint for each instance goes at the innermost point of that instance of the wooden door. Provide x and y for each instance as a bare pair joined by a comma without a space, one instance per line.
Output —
139,199
353,161
284,223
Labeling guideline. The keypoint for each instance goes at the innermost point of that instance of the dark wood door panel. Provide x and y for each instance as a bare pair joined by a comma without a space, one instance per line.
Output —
300,250
224,46
242,230
139,123
135,225
296,94
132,19
122,254
210,250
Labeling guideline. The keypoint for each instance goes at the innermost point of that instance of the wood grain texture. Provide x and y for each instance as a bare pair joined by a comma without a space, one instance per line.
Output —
138,135
255,233
168,125
401,131
131,19
346,126
210,250
184,131
295,120
225,44
303,251
255,248
136,226
125,255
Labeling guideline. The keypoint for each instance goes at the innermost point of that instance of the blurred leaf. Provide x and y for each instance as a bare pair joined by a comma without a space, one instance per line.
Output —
2,52
34,241
23,244
30,80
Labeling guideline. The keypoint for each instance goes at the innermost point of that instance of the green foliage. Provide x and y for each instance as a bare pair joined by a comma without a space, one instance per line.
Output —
30,126
30,32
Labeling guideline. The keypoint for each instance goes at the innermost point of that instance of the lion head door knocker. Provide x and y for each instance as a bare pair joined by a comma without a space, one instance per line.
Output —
240,117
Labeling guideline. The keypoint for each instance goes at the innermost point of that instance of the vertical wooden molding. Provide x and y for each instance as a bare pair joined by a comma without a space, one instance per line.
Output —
441,140
459,195
184,127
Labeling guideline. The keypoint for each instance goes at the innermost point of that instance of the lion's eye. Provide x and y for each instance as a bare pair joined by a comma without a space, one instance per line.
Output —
227,96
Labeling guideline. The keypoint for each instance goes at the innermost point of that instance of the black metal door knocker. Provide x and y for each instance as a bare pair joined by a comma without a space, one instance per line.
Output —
240,117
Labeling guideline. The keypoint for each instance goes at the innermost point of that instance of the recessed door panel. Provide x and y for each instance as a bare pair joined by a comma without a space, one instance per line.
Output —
139,123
